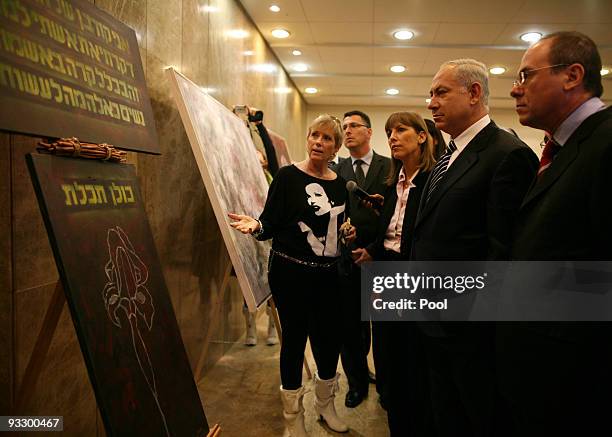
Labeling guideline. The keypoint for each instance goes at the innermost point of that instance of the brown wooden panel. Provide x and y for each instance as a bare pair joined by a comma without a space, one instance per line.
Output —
68,68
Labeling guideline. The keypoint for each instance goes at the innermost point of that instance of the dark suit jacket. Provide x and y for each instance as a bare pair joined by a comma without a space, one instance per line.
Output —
567,213
363,218
471,214
377,249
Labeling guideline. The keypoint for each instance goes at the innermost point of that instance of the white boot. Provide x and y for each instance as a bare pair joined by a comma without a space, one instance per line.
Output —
250,338
325,391
272,336
293,412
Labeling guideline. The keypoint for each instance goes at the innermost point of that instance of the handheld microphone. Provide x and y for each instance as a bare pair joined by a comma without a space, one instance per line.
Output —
352,187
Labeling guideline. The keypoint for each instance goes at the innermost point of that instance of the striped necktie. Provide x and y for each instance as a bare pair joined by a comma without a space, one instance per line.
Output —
440,169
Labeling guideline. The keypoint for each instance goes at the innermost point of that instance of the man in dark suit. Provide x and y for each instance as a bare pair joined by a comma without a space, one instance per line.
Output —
369,170
467,212
556,376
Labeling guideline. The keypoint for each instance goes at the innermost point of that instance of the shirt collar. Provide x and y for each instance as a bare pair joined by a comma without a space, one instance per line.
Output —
402,177
367,158
468,135
575,119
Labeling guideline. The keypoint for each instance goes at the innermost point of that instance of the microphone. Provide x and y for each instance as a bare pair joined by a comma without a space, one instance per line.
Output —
352,187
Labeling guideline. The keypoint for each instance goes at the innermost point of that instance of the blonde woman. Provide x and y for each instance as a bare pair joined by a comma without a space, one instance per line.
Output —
303,214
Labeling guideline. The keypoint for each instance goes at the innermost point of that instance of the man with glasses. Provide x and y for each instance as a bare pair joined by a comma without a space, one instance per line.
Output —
557,376
467,212
369,170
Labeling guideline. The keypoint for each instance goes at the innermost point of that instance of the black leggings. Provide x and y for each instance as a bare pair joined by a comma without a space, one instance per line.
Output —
308,302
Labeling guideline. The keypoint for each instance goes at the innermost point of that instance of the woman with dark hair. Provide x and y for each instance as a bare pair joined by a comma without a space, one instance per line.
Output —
439,144
405,373
303,215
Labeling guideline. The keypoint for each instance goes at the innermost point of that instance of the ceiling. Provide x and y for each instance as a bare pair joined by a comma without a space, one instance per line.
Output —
349,47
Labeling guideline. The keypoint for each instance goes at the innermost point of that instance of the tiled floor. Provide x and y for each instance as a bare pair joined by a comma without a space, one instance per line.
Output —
241,394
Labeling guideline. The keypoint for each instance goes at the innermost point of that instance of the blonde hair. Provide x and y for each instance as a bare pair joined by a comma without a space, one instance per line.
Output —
328,121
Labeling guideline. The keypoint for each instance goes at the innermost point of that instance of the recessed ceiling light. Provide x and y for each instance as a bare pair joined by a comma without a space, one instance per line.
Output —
275,8
300,67
403,34
497,70
397,68
237,33
531,37
311,90
392,91
427,100
604,71
283,90
296,53
248,53
280,33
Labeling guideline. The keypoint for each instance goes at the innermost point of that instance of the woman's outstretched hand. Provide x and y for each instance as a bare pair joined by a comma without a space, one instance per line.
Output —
243,223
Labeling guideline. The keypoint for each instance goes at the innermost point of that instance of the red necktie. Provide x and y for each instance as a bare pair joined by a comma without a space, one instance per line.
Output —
551,148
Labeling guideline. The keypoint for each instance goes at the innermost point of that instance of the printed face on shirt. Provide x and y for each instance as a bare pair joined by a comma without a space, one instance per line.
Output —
405,142
321,144
317,198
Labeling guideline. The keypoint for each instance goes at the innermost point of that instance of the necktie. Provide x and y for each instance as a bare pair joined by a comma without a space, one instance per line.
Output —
359,173
440,169
551,148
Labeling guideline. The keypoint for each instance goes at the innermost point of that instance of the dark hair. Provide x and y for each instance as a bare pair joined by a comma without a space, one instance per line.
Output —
569,48
363,116
415,121
438,140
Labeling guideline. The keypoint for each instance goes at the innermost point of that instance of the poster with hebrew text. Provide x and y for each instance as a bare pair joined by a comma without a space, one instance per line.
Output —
117,295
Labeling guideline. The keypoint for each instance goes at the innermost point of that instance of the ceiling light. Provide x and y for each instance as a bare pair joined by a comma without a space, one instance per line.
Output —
392,91
300,68
427,100
237,33
311,90
248,53
604,71
283,90
403,34
274,8
280,33
497,70
531,37
296,53
397,68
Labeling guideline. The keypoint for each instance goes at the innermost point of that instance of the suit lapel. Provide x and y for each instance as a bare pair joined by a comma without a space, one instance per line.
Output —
373,171
565,157
466,159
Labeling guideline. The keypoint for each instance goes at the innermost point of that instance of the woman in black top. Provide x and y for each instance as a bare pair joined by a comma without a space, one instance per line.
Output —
303,214
405,373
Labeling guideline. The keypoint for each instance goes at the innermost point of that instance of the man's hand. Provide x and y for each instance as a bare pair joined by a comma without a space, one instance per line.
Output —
377,199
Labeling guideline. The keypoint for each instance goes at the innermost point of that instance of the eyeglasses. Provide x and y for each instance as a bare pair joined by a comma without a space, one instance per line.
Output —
353,125
524,74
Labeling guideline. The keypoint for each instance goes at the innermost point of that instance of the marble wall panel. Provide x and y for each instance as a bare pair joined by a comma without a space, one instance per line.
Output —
63,387
32,256
6,280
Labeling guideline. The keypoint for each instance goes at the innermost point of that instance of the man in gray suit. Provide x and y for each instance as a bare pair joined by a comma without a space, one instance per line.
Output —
369,170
